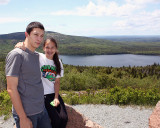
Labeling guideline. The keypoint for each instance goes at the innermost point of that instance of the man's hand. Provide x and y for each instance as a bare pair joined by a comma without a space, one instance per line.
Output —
25,123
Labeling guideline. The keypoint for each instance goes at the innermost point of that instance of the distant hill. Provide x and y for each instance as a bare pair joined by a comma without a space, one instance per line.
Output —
146,38
59,37
16,36
21,35
80,45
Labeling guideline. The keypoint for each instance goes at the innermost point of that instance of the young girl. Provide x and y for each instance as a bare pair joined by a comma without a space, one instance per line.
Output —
52,69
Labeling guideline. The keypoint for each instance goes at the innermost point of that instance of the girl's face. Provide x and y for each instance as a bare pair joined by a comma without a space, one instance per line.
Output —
49,49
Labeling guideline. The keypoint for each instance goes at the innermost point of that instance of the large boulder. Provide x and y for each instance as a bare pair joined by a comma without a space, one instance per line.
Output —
77,120
154,119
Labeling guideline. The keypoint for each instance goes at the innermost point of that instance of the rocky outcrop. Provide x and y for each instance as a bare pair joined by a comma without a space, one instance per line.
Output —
77,120
154,119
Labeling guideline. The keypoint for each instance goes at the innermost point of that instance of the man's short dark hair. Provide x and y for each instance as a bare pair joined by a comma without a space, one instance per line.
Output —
33,25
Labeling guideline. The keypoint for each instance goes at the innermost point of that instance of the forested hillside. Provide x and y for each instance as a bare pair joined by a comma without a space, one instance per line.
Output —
106,85
77,45
100,85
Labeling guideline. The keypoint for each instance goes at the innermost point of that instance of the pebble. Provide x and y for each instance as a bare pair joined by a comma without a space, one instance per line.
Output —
113,116
108,116
6,123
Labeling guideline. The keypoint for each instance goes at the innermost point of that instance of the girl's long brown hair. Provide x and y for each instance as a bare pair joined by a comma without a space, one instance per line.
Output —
55,57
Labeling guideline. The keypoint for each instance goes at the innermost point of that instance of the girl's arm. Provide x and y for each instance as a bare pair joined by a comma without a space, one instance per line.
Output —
20,45
56,88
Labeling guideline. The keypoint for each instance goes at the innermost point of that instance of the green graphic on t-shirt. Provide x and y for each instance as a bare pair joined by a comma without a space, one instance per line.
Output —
49,72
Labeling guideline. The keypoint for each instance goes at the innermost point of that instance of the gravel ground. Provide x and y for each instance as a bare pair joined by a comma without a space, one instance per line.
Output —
107,116
114,116
6,123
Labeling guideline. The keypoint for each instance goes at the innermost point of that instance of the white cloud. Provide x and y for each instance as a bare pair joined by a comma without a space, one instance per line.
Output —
103,8
144,21
133,15
11,19
142,1
107,8
3,2
100,9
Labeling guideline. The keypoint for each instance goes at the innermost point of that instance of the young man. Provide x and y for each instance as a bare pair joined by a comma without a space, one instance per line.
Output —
24,83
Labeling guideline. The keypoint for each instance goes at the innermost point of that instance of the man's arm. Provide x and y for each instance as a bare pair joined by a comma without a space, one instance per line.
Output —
12,83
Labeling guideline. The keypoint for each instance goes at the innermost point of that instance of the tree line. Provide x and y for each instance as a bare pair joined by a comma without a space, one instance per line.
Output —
106,85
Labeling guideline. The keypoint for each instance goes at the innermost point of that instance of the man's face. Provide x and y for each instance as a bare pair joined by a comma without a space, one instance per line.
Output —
35,38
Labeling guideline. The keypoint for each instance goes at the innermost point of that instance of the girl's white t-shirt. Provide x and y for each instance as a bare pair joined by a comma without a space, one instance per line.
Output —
48,73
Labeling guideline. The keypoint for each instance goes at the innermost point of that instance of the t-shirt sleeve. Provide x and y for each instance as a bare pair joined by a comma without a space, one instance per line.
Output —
13,64
62,70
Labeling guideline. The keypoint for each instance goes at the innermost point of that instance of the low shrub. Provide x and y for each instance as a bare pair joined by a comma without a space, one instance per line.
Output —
5,104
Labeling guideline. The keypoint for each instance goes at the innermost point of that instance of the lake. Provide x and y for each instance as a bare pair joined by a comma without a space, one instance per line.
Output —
111,60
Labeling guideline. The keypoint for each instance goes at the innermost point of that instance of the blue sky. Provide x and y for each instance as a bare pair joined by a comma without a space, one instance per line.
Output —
83,17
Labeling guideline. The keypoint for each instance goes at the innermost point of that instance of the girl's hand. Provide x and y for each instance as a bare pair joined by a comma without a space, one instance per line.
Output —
20,45
56,102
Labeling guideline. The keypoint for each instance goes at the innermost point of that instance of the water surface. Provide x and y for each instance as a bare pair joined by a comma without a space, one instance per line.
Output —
111,60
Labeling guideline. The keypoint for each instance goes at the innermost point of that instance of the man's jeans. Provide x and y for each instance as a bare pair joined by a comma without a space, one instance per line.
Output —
40,120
